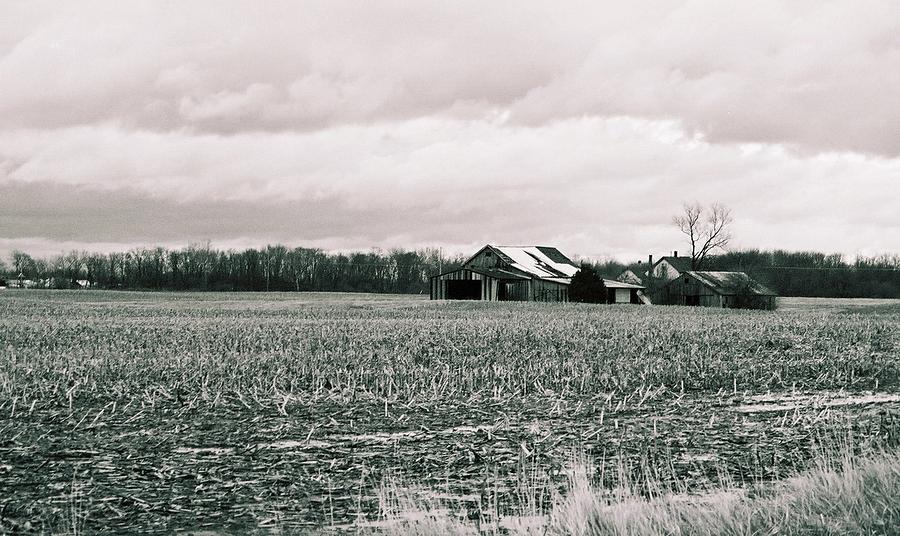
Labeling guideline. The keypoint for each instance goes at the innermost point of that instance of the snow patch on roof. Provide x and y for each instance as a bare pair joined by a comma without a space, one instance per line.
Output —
535,261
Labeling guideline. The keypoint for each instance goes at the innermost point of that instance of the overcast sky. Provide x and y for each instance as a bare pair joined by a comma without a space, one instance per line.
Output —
352,125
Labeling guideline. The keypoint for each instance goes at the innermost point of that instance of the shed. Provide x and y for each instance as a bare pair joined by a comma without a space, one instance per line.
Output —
719,289
621,292
508,273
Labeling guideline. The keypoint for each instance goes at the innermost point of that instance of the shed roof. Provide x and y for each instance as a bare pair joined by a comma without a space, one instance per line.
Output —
731,283
611,283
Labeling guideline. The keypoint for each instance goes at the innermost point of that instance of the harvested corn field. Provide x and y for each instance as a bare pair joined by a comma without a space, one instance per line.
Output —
282,412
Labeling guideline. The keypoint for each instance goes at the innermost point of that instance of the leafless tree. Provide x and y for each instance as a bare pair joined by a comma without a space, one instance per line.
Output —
706,229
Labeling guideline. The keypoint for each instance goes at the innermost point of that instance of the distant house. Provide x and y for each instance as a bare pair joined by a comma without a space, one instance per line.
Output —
719,289
21,282
665,269
669,267
508,273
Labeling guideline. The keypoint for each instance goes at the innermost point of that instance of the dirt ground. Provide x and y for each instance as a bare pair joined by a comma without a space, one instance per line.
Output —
179,468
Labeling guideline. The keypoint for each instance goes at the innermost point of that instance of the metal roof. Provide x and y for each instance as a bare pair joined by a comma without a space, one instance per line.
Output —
731,283
539,261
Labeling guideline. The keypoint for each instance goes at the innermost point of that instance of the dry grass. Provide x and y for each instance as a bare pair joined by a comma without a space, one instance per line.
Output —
840,496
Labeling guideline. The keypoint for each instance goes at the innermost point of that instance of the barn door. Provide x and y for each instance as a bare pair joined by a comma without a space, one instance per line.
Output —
463,289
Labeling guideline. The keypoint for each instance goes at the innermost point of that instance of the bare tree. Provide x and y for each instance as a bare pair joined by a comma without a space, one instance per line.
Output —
706,230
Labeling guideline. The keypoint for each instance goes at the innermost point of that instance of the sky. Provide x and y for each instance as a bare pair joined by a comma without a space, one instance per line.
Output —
351,125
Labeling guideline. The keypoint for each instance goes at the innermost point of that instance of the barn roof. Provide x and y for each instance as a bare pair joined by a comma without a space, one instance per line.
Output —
539,261
731,283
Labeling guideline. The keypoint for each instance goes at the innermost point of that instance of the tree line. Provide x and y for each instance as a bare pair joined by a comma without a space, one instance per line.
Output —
799,273
816,274
202,268
279,268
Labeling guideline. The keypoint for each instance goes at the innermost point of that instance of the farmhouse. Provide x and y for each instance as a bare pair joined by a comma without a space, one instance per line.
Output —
670,267
513,273
718,289
665,269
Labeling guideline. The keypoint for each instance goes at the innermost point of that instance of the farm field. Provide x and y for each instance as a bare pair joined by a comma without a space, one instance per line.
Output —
143,412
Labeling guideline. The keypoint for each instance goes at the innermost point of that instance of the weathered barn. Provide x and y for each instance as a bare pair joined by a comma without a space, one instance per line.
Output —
508,273
719,289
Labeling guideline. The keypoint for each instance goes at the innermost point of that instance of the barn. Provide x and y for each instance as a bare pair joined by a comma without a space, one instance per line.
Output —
508,273
719,289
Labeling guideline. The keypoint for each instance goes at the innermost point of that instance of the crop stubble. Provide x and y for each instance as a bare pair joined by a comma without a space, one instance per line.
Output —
174,411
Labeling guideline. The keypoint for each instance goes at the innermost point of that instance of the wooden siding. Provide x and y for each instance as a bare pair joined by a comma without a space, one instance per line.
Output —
686,290
486,259
439,286
514,290
548,291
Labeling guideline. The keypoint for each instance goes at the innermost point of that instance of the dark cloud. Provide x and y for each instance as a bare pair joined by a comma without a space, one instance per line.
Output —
778,72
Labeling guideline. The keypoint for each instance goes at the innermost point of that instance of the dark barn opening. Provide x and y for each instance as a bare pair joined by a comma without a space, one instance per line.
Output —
502,291
463,289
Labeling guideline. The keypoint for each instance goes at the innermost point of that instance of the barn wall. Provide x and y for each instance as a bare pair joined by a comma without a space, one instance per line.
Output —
439,287
519,290
548,291
486,259
489,286
516,290
623,295
678,291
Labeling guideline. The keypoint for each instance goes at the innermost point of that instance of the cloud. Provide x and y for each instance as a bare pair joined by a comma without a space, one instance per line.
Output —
604,187
344,124
799,73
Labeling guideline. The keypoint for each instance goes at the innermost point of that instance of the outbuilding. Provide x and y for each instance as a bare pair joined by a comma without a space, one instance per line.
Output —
621,292
719,289
508,273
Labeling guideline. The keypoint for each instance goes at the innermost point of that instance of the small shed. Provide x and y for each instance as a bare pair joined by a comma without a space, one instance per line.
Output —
621,292
719,289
